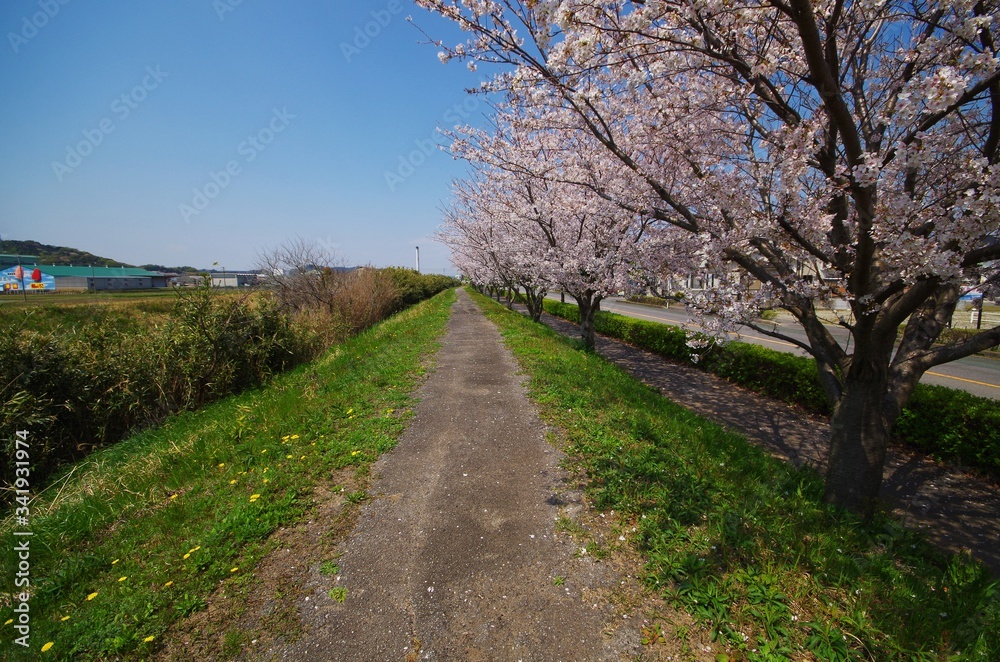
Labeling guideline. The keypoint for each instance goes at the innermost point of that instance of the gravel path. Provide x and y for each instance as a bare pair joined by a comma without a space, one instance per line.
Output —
955,509
456,556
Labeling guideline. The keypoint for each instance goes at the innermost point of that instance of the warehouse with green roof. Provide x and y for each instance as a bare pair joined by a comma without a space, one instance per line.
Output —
82,278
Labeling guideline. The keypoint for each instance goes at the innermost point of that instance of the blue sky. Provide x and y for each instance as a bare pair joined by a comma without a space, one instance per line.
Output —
200,131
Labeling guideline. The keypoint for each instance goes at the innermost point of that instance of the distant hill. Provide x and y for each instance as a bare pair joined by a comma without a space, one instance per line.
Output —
179,270
65,256
60,255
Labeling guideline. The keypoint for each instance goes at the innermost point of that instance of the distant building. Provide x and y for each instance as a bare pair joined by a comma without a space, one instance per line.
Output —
8,260
234,280
16,279
84,278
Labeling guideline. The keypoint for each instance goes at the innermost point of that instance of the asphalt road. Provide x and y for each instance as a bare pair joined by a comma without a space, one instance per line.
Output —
976,374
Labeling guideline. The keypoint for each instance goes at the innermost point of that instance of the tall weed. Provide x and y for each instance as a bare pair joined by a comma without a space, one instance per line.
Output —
85,385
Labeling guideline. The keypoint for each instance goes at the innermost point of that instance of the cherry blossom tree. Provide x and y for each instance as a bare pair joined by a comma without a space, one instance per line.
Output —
489,244
546,226
805,150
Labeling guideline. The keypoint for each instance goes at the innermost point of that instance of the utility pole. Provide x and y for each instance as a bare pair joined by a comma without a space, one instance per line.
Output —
20,272
418,259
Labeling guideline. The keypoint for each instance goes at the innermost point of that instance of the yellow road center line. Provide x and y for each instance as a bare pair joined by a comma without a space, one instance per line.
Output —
962,379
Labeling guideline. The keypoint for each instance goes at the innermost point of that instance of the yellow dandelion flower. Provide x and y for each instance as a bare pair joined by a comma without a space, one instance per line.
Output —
353,453
303,457
233,569
168,584
254,497
313,443
263,451
265,470
64,619
9,621
121,579
194,549
188,555
232,482
115,561
222,464
265,481
173,496
295,436
350,411
148,639
47,646
92,595
288,457
286,438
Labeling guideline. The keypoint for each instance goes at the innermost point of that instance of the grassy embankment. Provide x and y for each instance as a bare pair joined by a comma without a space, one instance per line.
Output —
741,540
949,424
139,534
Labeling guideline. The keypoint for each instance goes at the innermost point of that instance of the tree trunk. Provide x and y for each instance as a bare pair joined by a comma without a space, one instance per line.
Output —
533,299
858,440
589,304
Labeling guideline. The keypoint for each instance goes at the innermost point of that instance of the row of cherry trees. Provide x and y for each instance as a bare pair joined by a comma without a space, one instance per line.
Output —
529,217
747,140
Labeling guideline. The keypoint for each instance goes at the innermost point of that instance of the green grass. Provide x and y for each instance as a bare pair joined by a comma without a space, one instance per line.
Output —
948,424
741,540
139,534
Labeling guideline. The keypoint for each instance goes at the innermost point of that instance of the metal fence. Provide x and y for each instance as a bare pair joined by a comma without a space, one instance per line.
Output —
969,319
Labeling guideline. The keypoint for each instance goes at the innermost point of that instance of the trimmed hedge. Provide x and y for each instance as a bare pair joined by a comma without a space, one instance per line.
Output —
953,424
943,422
781,375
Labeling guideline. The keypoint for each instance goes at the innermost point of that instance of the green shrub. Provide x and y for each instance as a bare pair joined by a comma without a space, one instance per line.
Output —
567,311
414,286
953,425
784,376
43,389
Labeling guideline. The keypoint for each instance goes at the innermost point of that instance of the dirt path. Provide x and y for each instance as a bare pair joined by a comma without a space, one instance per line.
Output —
456,554
955,509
